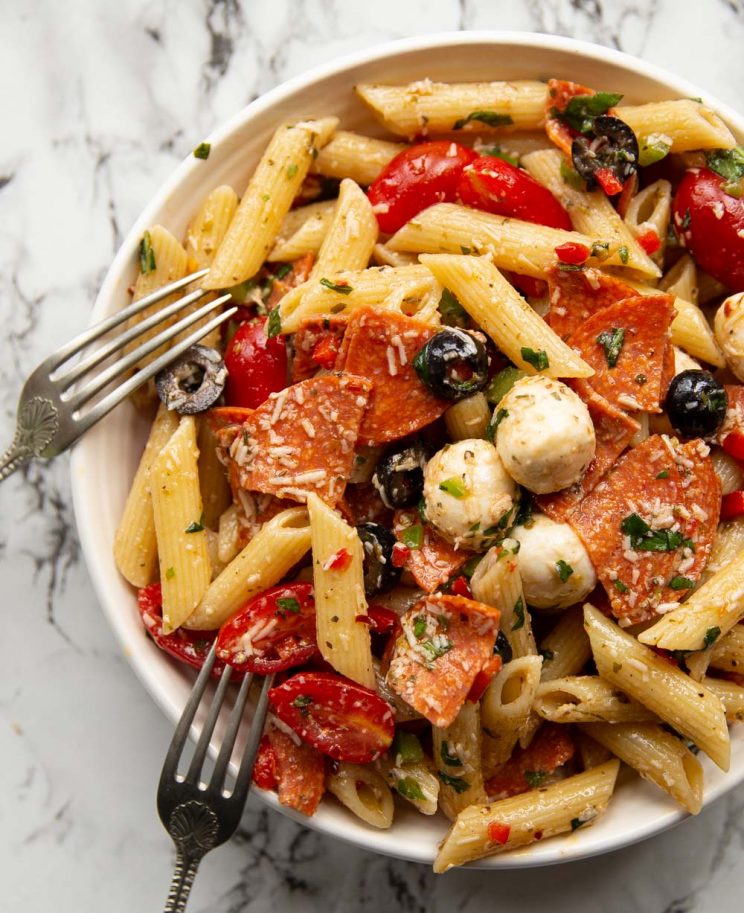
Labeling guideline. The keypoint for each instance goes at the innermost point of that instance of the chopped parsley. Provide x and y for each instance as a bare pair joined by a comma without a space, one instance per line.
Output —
518,614
686,219
563,570
711,636
453,313
464,250
170,573
729,163
419,627
202,151
413,536
623,254
600,249
664,474
341,287
406,748
197,526
289,604
454,486
284,270
490,118
451,760
612,341
292,171
534,777
497,419
538,359
409,789
524,511
620,586
302,703
498,153
681,583
645,539
435,650
581,110
146,254
274,324
457,783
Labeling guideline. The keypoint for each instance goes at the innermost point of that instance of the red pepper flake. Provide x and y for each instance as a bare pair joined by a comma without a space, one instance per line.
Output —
607,181
364,619
461,587
733,444
338,561
498,832
732,505
538,835
325,352
400,554
572,253
649,241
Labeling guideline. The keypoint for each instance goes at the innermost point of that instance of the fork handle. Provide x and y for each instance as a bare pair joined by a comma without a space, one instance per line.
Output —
14,458
183,877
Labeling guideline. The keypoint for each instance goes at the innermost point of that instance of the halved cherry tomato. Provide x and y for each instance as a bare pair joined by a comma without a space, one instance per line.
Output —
572,253
223,416
733,444
483,679
649,241
732,505
495,185
273,631
256,366
461,587
264,767
710,224
382,619
498,832
418,177
338,717
190,647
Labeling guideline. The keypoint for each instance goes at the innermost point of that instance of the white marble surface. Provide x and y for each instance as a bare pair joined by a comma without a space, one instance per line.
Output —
98,102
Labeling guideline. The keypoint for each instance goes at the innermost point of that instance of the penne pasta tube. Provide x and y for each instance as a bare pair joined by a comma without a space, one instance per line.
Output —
591,213
344,641
266,201
681,280
496,582
590,752
351,155
587,699
302,231
709,288
727,544
457,755
135,545
658,756
268,557
209,226
483,830
410,290
687,123
216,495
729,474
686,705
506,708
351,234
363,791
709,612
228,534
383,256
415,782
730,695
426,107
566,649
650,210
728,653
468,419
507,318
183,551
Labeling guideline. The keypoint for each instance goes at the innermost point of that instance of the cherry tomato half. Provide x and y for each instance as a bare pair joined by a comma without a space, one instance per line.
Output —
710,224
256,366
264,773
495,185
733,444
338,717
732,505
190,647
418,177
273,631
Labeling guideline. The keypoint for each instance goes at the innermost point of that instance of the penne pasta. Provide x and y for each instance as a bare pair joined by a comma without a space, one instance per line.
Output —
135,544
228,534
658,756
469,418
215,490
502,312
268,557
683,703
302,231
457,755
351,234
343,640
681,280
363,791
209,226
351,155
183,551
414,782
506,709
729,473
566,649
687,123
267,200
730,695
728,653
650,211
587,699
496,582
483,830
729,541
383,256
590,752
424,107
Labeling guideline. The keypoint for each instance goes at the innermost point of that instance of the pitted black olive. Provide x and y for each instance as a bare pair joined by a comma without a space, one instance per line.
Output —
399,476
453,364
379,571
696,403
613,148
502,648
194,382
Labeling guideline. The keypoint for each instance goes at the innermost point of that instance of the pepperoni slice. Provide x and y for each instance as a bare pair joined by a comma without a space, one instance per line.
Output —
300,773
575,295
316,344
430,559
551,748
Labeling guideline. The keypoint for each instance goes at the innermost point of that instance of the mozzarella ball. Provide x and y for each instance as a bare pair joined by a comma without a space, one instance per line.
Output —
469,496
729,331
546,436
549,551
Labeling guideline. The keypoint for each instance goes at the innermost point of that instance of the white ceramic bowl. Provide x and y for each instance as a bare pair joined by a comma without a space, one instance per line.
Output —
104,462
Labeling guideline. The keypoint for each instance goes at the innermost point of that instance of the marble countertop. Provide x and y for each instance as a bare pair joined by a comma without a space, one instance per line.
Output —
100,102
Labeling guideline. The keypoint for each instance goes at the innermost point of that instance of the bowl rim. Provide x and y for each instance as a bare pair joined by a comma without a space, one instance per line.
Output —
374,840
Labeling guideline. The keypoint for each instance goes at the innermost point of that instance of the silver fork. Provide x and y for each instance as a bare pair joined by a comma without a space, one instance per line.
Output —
51,409
200,816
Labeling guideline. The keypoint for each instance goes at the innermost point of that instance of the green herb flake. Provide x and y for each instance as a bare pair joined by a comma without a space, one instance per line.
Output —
170,573
490,118
645,539
524,511
711,636
620,586
289,604
454,486
576,823
498,418
197,526
681,583
612,341
343,288
518,614
622,252
302,702
284,270
274,323
563,570
409,789
453,313
600,249
538,359
653,148
572,177
729,163
146,254
413,536
266,197
534,777
435,650
292,171
451,760
202,151
464,250
664,474
498,153
547,655
406,748
457,783
419,627
581,110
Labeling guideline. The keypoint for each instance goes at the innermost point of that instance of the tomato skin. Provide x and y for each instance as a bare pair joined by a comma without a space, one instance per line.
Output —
483,679
572,253
461,587
418,177
382,619
264,773
498,832
291,640
649,241
732,505
607,181
495,185
338,717
256,366
733,444
713,242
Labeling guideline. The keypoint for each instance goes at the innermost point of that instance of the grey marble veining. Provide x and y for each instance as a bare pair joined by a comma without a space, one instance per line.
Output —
98,102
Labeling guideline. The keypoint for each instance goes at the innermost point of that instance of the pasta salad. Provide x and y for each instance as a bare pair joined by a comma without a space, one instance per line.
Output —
464,473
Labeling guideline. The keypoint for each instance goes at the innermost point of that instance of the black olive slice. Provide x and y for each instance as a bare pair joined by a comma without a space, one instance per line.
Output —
194,382
379,571
613,147
453,364
399,476
696,403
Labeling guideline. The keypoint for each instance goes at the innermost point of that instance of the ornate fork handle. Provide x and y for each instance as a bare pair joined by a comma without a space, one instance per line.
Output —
38,421
193,827
183,878
13,458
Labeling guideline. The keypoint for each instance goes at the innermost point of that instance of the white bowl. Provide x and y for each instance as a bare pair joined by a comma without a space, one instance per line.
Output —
104,462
